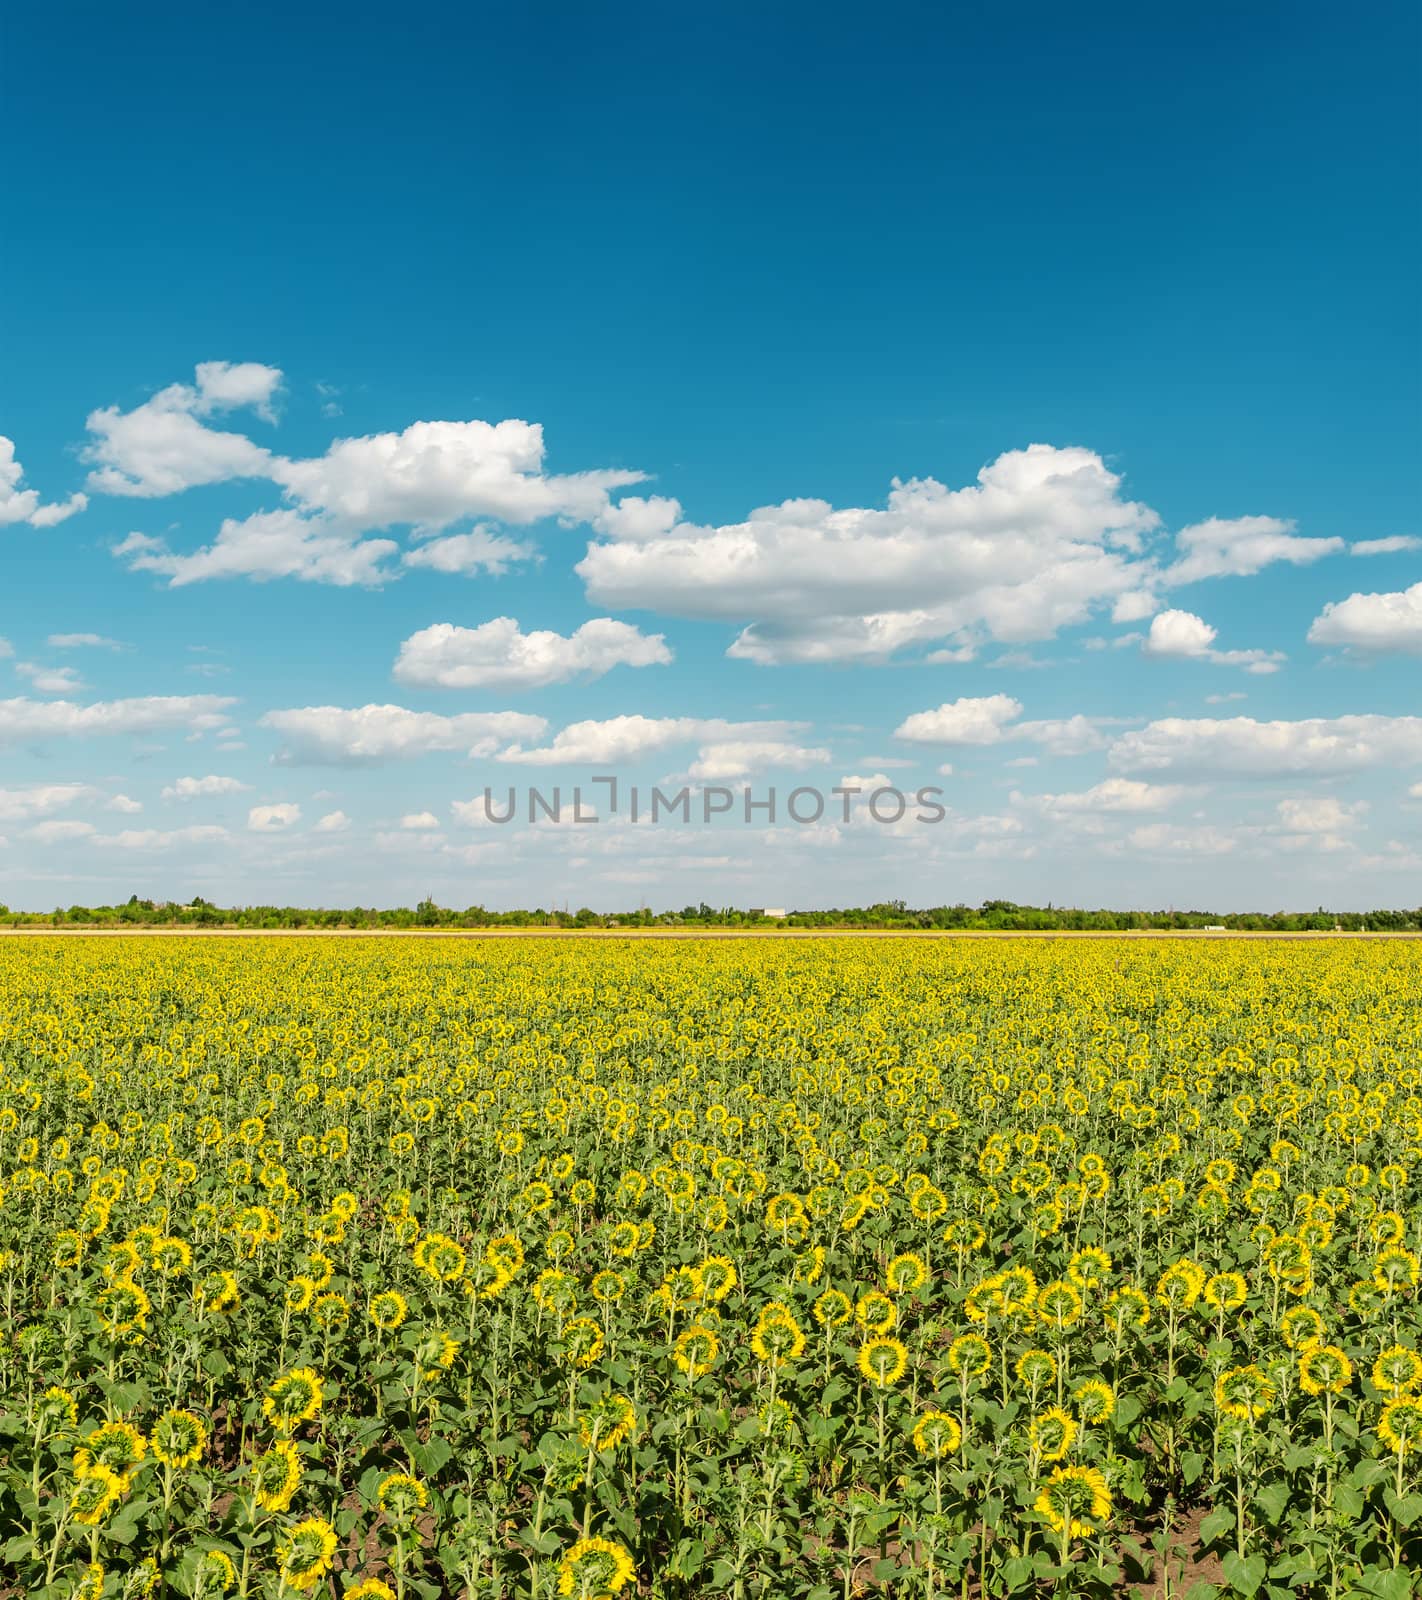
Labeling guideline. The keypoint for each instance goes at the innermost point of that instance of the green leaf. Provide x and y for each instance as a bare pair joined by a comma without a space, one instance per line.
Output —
1272,1499
1216,1525
1404,1509
1245,1573
1192,1464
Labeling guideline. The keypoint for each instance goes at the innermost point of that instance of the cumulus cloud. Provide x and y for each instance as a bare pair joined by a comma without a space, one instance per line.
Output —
23,719
426,478
967,721
333,822
1320,814
364,735
145,839
1182,636
268,544
1170,839
23,505
41,800
1115,795
62,831
1041,538
50,680
467,554
1068,736
1393,545
498,654
617,740
420,822
1373,623
164,446
272,819
83,641
124,803
1223,547
202,788
738,758
1243,746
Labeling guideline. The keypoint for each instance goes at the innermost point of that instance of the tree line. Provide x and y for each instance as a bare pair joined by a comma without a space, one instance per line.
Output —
991,915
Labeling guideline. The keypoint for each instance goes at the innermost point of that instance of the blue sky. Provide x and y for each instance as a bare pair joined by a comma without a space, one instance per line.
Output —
354,339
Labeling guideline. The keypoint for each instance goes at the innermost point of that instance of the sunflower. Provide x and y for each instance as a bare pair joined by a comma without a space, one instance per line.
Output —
305,1555
1224,1291
1089,1268
611,1420
1243,1393
832,1309
875,1312
695,1350
1324,1368
370,1589
276,1475
97,1490
968,1356
1300,1327
595,1569
608,1287
777,1338
1400,1427
1036,1368
401,1497
215,1574
936,1434
1075,1501
881,1361
583,1339
439,1257
179,1439
1180,1285
388,1310
118,1445
1052,1433
1095,1401
59,1409
292,1400
906,1273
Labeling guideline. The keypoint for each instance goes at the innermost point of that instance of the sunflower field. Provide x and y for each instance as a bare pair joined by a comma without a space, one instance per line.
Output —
460,1268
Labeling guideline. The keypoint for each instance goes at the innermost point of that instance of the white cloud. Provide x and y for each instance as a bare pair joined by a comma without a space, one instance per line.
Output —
163,446
1165,838
466,554
1373,622
1320,814
269,544
333,822
1240,745
41,800
621,739
1182,636
1034,545
1117,795
125,804
367,734
272,819
498,654
965,721
1239,547
875,780
201,788
436,473
426,478
50,680
83,641
420,822
61,832
23,719
1068,736
1395,544
738,758
23,505
160,839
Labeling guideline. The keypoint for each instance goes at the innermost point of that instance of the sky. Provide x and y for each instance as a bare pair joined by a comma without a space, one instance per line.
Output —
1019,405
